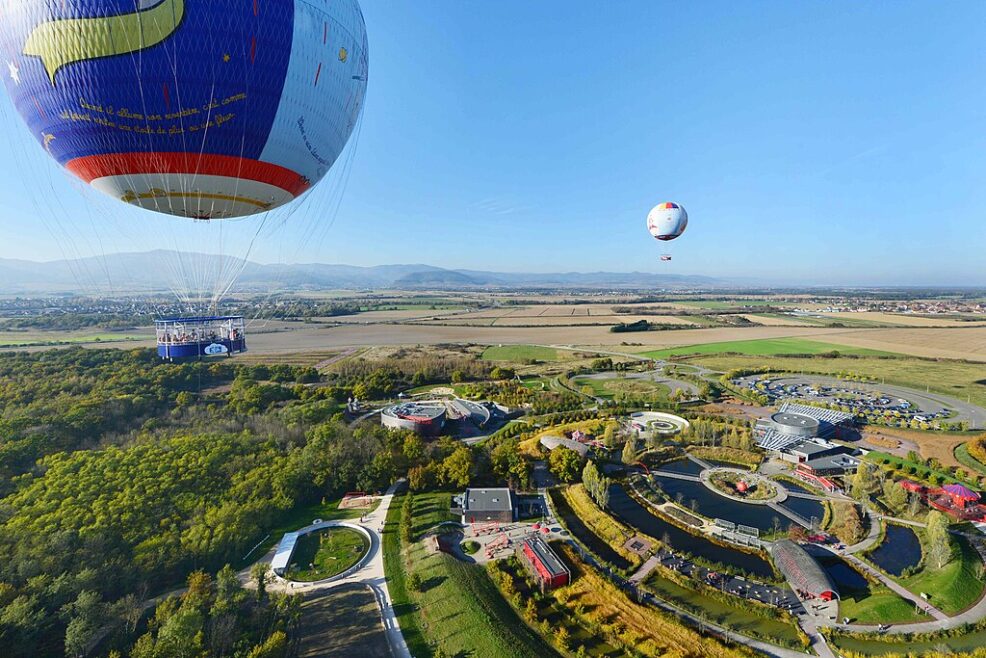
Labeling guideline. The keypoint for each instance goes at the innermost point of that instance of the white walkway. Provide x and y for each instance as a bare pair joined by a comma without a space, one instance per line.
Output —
371,575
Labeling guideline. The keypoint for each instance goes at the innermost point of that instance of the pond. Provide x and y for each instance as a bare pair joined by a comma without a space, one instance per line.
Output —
696,496
847,580
632,513
686,466
899,550
805,508
791,486
588,538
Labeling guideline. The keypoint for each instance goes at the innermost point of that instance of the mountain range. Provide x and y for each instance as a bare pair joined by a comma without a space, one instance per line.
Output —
164,270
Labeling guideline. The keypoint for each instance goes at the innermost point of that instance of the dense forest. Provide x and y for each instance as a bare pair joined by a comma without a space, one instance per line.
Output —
123,474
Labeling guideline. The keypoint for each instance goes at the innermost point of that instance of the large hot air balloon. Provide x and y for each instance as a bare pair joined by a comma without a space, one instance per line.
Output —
666,221
206,109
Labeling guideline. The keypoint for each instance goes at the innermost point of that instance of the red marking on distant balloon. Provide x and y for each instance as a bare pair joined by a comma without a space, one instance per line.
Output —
167,95
318,73
253,49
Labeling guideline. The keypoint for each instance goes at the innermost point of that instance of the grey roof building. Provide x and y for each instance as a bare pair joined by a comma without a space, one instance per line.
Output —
484,505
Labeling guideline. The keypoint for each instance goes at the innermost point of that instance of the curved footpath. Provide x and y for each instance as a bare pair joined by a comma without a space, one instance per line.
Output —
370,574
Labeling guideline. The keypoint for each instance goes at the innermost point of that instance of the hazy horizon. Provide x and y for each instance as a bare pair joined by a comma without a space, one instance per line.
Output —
811,145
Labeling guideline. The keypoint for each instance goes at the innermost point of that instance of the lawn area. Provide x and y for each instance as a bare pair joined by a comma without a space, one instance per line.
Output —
955,378
954,588
764,347
463,612
299,517
622,386
912,469
394,570
341,623
326,553
910,647
741,618
879,606
963,457
520,353
429,510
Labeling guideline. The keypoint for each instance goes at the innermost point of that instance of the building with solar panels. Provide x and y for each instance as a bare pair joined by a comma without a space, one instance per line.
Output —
800,434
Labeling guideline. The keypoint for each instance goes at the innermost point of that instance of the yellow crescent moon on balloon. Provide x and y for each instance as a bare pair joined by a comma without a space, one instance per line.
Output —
62,42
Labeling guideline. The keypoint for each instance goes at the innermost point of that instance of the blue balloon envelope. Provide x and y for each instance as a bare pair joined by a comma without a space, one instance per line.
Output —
199,108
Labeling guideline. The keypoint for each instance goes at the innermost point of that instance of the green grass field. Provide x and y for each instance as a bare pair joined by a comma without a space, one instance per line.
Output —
458,607
763,347
954,588
323,554
405,608
520,353
299,517
879,606
610,388
956,378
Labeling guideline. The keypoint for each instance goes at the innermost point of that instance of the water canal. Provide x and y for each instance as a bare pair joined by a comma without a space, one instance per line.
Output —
899,550
632,513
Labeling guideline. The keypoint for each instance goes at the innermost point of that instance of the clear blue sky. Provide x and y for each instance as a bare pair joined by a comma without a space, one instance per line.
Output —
835,142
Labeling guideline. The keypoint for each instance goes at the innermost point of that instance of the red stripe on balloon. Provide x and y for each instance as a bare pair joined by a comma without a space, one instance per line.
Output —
253,50
318,72
167,95
92,167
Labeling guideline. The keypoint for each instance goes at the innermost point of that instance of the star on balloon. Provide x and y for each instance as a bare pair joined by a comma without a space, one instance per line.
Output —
15,73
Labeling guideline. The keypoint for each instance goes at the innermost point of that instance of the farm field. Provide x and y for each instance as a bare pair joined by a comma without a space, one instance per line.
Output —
341,623
962,380
522,353
956,343
762,347
25,338
779,320
905,319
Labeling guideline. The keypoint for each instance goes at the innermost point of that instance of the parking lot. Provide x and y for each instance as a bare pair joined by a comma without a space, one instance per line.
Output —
896,405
